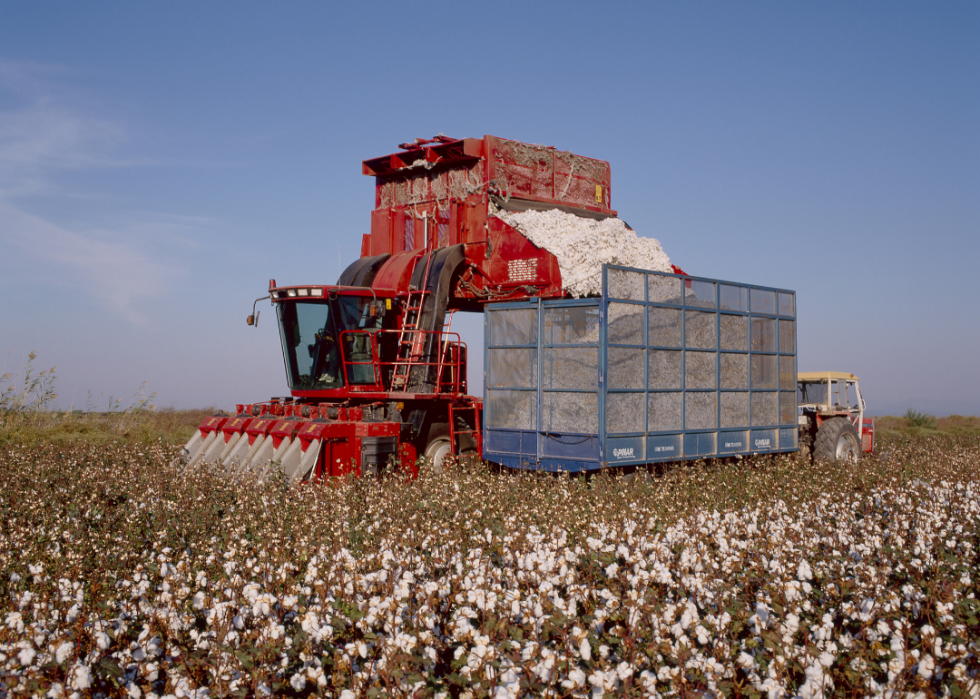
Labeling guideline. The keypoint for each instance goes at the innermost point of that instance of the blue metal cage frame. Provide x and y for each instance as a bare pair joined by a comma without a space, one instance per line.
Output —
661,367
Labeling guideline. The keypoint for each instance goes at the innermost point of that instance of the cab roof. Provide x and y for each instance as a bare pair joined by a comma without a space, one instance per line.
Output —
824,375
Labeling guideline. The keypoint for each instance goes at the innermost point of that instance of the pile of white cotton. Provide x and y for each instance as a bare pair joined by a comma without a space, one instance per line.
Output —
583,245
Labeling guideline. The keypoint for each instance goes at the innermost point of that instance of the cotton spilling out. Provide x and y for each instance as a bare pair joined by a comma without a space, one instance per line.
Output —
583,245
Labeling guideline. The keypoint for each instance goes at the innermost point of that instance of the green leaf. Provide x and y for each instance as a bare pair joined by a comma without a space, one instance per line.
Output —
107,667
245,659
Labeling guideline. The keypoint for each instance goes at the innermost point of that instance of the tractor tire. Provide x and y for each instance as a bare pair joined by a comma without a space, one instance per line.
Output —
837,440
437,445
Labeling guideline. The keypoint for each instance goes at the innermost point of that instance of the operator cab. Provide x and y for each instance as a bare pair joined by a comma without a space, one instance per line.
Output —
831,391
313,327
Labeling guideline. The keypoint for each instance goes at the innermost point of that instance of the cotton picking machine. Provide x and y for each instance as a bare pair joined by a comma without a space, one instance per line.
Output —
376,375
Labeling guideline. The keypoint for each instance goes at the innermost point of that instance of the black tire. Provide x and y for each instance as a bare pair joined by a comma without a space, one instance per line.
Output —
437,444
837,440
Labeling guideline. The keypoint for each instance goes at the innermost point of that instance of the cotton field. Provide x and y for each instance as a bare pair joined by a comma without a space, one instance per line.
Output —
750,578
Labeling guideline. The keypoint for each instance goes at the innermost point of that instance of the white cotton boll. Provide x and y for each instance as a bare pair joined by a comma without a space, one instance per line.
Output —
926,667
611,570
347,694
81,678
102,640
585,650
896,664
61,655
803,572
14,578
15,622
297,682
576,678
199,600
26,656
689,616
826,659
133,691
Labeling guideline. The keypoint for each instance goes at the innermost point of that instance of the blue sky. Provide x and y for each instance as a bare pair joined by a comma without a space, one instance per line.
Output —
159,163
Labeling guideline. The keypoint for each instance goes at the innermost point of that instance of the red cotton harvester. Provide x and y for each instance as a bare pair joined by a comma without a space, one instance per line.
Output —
376,376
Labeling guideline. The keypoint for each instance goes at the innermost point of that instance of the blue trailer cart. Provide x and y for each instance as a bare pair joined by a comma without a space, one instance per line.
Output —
661,367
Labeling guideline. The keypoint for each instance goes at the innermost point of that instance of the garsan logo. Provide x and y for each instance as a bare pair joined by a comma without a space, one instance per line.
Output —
625,453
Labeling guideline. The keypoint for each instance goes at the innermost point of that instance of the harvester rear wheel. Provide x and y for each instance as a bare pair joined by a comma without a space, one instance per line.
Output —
837,440
438,446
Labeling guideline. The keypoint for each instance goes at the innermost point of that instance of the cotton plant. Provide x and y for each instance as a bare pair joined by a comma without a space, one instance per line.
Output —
767,577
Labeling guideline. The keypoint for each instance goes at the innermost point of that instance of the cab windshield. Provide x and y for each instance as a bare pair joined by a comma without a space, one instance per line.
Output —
310,332
812,393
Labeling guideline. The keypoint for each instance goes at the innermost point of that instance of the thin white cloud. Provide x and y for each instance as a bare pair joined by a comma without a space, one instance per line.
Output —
120,273
41,140
47,133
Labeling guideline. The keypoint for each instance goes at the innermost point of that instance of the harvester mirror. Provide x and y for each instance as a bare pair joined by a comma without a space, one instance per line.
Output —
253,320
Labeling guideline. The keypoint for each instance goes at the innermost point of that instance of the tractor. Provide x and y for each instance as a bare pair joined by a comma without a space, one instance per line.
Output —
832,416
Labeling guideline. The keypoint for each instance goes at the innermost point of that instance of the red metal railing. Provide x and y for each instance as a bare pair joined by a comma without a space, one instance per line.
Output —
437,360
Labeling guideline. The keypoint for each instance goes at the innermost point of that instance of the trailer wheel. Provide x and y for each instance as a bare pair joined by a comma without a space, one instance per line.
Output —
438,446
837,440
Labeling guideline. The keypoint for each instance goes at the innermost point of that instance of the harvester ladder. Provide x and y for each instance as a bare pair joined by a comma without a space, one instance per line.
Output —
474,423
443,347
411,341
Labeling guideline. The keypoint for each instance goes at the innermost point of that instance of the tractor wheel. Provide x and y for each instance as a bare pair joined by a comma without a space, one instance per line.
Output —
837,440
438,446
